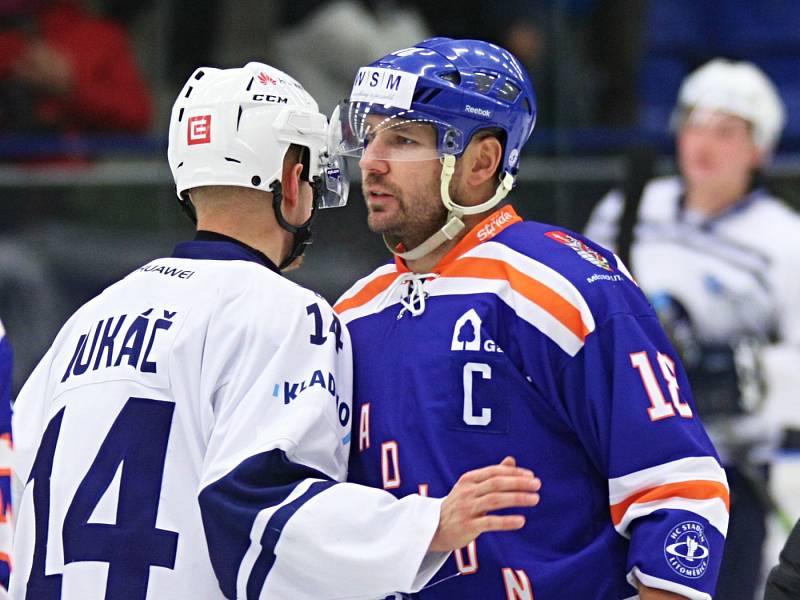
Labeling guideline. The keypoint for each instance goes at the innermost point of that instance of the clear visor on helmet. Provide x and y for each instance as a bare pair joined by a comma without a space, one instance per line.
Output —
335,183
388,133
312,130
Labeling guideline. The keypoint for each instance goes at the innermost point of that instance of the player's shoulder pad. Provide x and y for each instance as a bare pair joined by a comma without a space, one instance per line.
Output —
597,274
773,215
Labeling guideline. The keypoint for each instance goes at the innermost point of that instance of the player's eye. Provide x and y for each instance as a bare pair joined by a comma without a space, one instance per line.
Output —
402,140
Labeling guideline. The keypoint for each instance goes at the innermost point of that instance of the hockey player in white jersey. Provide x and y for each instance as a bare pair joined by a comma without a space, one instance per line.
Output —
187,433
717,255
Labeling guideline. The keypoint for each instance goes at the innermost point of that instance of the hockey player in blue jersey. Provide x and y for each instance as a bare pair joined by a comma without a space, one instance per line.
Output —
716,252
489,336
187,434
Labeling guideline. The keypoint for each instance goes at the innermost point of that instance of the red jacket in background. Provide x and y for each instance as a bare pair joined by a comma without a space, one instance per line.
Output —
107,94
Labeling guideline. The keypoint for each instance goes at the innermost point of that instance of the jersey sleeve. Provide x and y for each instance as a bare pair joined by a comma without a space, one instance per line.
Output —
6,522
278,520
629,400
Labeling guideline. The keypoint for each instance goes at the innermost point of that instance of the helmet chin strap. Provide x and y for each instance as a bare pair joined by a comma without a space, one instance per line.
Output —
454,225
301,234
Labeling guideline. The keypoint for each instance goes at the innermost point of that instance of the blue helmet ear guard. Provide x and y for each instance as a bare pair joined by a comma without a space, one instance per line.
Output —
471,85
458,87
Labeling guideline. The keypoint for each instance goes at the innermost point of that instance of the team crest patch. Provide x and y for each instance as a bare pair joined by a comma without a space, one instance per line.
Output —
686,550
582,249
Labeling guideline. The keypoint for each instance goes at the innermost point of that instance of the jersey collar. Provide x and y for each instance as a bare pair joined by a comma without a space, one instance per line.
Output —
484,231
745,202
209,245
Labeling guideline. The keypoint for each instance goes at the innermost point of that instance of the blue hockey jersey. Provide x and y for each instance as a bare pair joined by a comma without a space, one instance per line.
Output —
530,341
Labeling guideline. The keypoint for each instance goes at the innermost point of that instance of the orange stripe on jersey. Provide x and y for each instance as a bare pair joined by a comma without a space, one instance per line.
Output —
367,293
5,558
6,437
535,291
692,490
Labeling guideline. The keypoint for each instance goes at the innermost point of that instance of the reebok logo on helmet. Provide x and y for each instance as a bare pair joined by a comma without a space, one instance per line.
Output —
483,112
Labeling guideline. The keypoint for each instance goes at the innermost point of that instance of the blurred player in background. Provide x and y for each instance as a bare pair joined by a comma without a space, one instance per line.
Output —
5,461
186,434
489,336
718,258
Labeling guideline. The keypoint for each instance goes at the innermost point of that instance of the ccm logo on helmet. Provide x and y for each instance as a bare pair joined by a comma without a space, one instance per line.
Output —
199,130
270,98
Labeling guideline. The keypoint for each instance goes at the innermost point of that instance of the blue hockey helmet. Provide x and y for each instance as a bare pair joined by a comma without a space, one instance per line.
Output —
459,87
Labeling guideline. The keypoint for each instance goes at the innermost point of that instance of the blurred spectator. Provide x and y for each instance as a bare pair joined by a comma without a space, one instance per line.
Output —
717,255
65,71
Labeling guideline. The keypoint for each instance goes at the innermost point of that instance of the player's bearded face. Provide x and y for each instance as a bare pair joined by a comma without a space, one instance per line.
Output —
402,197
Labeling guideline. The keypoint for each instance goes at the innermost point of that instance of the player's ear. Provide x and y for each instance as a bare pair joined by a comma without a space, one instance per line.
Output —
484,153
290,178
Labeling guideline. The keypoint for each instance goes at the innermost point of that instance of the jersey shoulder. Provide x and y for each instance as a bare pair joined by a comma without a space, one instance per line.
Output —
592,274
661,200
367,287
766,225
772,214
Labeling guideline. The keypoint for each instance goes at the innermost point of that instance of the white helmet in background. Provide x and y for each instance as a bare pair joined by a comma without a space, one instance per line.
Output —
233,127
736,88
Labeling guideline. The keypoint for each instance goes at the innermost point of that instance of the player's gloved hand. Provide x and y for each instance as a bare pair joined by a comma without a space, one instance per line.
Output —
464,515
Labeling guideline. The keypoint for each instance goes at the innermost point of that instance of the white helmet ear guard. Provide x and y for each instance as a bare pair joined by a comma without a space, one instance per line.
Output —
234,126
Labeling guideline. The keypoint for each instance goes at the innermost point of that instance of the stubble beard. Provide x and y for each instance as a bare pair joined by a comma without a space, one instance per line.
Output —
410,223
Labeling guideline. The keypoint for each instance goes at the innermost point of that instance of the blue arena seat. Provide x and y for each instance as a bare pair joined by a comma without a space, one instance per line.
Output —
659,81
765,28
677,27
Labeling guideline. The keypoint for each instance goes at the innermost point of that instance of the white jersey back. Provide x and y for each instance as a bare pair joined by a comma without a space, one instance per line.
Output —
210,379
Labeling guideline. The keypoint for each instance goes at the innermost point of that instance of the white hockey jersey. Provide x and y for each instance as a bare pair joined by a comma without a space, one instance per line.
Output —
184,438
736,275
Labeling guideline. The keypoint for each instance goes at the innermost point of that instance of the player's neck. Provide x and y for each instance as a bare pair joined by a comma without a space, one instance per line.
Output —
709,201
433,258
262,234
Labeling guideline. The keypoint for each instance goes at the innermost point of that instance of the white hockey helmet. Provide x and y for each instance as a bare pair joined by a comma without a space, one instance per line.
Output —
233,127
736,88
